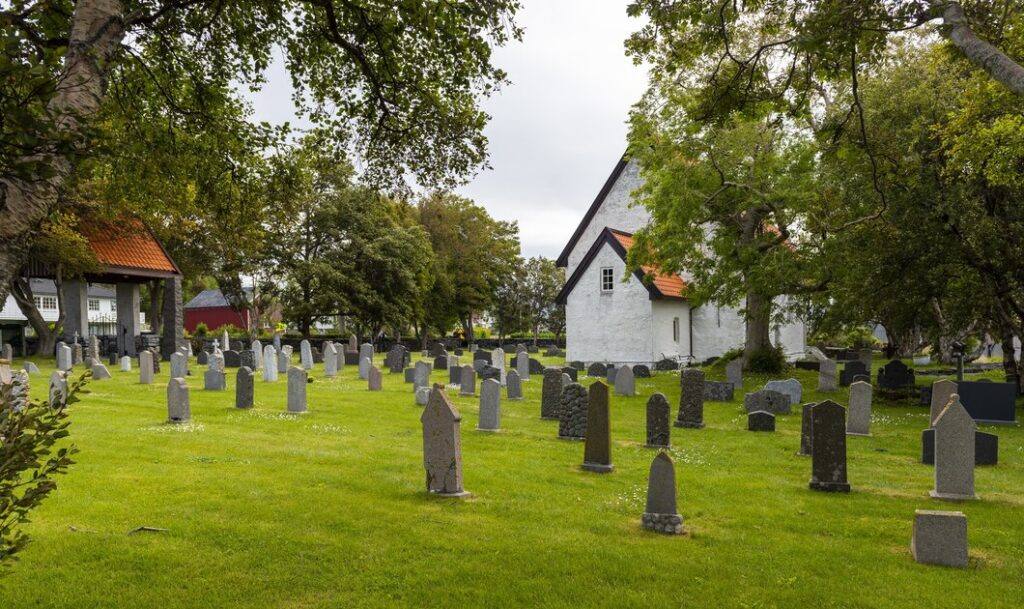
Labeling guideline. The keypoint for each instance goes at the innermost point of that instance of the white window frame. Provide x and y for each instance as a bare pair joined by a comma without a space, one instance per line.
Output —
607,277
48,303
94,304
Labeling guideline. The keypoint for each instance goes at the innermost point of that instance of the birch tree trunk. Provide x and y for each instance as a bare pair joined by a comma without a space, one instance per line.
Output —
981,53
97,29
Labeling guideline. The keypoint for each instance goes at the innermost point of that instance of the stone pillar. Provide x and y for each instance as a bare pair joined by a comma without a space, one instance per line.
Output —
174,318
127,318
75,296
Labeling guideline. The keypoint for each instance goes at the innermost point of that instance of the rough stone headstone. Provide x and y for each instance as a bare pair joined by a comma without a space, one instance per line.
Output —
954,453
597,369
523,365
768,401
851,371
7,352
179,409
63,357
100,372
297,379
441,362
573,410
306,355
827,375
58,392
437,350
734,373
536,367
490,405
662,513
422,396
806,427
659,426
513,386
467,382
942,391
859,421
146,367
442,446
551,394
718,391
245,387
939,538
269,364
691,399
76,354
895,375
94,347
597,453
246,358
760,420
232,359
126,364
828,448
353,343
625,383
375,379
789,387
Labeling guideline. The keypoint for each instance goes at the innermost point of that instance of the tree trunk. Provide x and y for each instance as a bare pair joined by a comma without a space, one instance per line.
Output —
156,308
467,327
97,30
1010,366
979,52
757,318
21,291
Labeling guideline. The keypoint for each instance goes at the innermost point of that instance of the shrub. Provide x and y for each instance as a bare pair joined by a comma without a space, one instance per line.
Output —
770,360
201,330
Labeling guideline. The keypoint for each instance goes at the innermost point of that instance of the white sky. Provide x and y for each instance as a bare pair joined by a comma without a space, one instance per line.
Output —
557,131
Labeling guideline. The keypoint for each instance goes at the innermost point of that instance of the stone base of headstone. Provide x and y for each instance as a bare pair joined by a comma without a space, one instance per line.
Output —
453,495
669,524
600,468
687,424
829,487
950,496
939,538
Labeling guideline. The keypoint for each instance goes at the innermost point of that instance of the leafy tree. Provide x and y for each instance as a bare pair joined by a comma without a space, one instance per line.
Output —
544,281
397,82
511,309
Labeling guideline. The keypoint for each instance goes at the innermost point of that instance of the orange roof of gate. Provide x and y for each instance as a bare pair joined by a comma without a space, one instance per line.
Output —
669,285
128,244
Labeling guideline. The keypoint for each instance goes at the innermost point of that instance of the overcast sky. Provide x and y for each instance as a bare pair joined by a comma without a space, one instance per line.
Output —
557,131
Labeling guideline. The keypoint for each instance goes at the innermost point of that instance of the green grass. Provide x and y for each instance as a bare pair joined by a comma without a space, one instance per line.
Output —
329,510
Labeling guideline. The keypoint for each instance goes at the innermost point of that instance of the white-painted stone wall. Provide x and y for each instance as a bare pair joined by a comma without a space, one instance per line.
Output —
608,326
614,213
663,338
716,330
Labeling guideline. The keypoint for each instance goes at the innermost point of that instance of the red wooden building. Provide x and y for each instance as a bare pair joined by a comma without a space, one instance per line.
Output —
210,307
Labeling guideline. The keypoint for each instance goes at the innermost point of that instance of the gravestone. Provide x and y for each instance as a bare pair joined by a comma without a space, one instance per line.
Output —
986,448
7,353
87,363
330,360
717,391
551,394
691,399
350,358
523,365
828,448
479,364
659,428
467,384
572,372
421,375
859,421
442,446
94,347
597,452
269,364
31,368
225,341
895,375
788,387
513,386
203,358
454,375
498,359
576,365
146,367
954,453
156,360
365,355
216,361
573,410
375,379
410,377
247,358
489,372
214,379
179,409
441,363
760,420
245,387
58,391
422,396
306,355
806,429
768,401
76,354
490,406
257,354
284,361
276,341
126,364
437,350
232,359
850,373
625,383
662,513
989,402
566,380
734,373
536,367
112,358
63,357
453,362
353,343
297,379
827,375
597,369
942,391
864,356
100,372
641,371
482,355
610,372
939,538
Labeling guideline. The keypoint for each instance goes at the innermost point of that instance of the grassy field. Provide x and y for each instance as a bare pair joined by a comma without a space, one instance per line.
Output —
264,509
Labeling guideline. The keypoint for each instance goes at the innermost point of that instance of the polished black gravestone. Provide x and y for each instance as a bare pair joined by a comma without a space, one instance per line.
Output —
597,453
986,448
851,371
232,359
989,402
760,421
895,375
828,443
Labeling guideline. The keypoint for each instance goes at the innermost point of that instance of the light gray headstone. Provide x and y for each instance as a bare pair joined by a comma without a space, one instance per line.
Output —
364,367
422,396
954,453
513,386
30,367
277,342
330,360
767,401
179,365
442,446
858,416
662,513
63,357
214,379
146,367
790,387
734,373
269,364
453,362
179,409
566,381
296,390
940,538
523,365
375,379
421,375
59,387
827,375
942,391
100,372
498,358
126,364
306,355
365,353
284,361
7,352
225,342
625,384
257,353
467,384
490,405
76,354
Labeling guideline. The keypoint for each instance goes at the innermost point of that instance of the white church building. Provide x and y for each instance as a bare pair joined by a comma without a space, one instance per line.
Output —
634,322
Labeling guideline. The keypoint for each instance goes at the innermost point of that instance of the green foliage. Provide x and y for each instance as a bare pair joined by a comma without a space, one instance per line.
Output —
202,330
854,336
30,459
767,360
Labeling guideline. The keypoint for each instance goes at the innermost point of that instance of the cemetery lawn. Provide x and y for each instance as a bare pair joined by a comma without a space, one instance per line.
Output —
262,509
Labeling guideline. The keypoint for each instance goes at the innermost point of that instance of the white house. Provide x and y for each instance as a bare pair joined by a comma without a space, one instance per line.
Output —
631,322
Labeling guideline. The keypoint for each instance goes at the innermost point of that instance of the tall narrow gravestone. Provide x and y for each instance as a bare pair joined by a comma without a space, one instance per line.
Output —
442,446
421,376
257,354
297,390
126,364
859,422
828,443
523,365
214,378
954,453
662,513
827,375
225,343
330,360
625,382
284,361
498,358
573,410
146,367
659,414
269,364
375,380
467,383
513,386
942,391
179,365
365,359
306,355
597,453
551,394
734,373
490,406
179,409
691,399
245,390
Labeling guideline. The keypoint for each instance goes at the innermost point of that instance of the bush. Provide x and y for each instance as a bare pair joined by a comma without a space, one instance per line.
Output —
201,330
770,360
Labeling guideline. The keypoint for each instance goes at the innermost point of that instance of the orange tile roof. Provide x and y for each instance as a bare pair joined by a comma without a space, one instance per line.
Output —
126,244
669,285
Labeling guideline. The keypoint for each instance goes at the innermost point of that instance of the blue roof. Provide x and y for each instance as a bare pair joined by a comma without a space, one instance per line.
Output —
208,299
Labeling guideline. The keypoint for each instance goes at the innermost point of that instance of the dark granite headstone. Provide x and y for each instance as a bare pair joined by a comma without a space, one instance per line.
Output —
490,372
454,375
666,365
850,371
659,428
246,359
828,447
351,358
232,359
806,425
807,365
597,369
661,514
577,365
691,399
482,355
610,373
895,375
986,448
989,402
641,371
718,391
769,401
202,358
597,454
572,372
760,420
112,358
410,375
459,352
245,385
536,367
551,394
441,362
437,350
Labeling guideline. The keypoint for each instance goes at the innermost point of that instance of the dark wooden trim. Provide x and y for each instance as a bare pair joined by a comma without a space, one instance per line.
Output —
563,258
607,236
